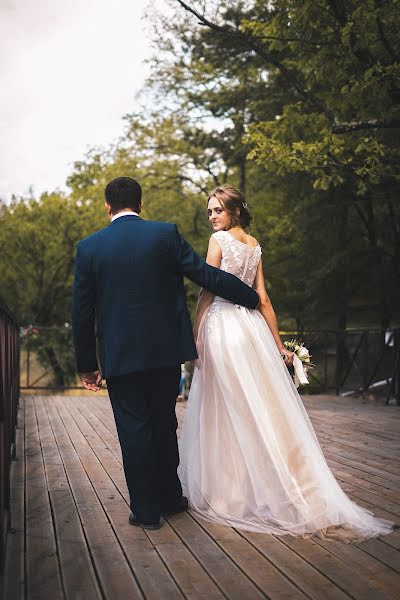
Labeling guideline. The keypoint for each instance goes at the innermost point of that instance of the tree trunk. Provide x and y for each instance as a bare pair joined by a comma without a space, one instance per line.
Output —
58,371
341,293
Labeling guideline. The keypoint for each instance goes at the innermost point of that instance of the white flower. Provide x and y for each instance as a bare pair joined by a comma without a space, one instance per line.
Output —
302,352
307,360
297,348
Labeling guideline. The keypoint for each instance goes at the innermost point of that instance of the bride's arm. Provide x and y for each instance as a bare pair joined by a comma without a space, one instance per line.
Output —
214,256
268,313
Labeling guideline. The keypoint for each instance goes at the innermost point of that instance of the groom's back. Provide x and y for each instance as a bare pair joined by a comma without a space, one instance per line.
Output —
135,258
142,319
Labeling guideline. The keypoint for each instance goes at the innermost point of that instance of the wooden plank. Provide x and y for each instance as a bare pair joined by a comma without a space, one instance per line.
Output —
382,552
218,574
349,410
114,575
109,437
350,476
105,419
374,544
366,565
367,477
193,580
367,428
227,567
356,440
350,405
343,576
150,570
374,499
255,564
368,464
14,568
360,413
351,436
42,566
302,574
101,406
77,570
164,542
385,549
224,571
368,460
352,442
192,558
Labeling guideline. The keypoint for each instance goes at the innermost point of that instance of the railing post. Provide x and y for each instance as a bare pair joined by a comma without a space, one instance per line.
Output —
28,355
325,338
396,369
9,395
339,361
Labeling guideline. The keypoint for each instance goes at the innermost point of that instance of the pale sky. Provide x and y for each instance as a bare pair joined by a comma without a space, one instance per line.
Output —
69,71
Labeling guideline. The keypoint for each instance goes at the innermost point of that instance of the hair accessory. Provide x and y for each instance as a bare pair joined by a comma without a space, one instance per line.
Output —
244,204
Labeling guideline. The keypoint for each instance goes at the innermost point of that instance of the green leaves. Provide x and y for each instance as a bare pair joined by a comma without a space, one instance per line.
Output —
307,95
296,103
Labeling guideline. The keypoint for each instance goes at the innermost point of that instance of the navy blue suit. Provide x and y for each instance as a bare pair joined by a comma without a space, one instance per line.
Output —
129,301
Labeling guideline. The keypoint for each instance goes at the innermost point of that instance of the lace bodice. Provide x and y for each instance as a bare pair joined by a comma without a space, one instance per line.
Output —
238,258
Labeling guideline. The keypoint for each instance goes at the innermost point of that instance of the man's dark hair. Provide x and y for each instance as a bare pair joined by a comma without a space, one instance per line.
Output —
123,192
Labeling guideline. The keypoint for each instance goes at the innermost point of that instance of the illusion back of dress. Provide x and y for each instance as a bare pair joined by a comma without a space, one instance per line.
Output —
238,258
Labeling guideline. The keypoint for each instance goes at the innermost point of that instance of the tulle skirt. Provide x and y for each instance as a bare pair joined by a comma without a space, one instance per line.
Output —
250,458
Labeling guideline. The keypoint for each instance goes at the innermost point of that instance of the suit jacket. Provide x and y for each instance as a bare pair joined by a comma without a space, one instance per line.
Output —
129,291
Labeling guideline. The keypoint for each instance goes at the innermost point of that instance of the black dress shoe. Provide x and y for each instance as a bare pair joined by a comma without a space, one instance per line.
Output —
133,520
179,507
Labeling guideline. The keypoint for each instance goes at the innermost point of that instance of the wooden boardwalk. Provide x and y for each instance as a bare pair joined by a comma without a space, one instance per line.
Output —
71,538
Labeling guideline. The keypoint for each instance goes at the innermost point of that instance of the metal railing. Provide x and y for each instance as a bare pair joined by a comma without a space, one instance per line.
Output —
47,358
9,395
353,360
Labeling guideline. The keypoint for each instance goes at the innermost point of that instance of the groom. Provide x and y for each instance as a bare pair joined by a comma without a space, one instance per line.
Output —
129,294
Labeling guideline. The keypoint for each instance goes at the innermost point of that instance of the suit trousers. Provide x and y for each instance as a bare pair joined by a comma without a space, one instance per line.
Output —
144,410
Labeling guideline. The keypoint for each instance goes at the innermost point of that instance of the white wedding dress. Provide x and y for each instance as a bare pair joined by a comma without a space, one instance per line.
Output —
250,458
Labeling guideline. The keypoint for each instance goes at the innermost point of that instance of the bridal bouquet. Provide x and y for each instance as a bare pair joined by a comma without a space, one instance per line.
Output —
302,361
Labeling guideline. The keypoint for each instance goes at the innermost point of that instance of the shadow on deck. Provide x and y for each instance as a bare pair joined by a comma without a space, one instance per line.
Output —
71,538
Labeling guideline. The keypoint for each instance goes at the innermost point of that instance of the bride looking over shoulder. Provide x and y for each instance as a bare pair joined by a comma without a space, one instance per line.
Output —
227,211
250,458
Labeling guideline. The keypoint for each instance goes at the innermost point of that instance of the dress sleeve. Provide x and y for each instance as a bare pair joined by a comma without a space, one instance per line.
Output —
219,237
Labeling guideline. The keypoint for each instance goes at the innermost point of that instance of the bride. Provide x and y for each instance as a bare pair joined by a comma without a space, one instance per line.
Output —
250,458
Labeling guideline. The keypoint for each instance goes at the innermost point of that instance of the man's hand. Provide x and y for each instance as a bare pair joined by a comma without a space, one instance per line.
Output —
91,381
288,356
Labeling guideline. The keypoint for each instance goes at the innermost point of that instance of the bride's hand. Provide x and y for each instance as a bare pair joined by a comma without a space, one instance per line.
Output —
288,356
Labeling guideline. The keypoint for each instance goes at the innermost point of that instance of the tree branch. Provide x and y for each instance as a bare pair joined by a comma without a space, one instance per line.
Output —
372,124
251,43
298,40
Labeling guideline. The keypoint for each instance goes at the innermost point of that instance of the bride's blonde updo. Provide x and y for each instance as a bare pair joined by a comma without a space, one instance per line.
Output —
234,203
